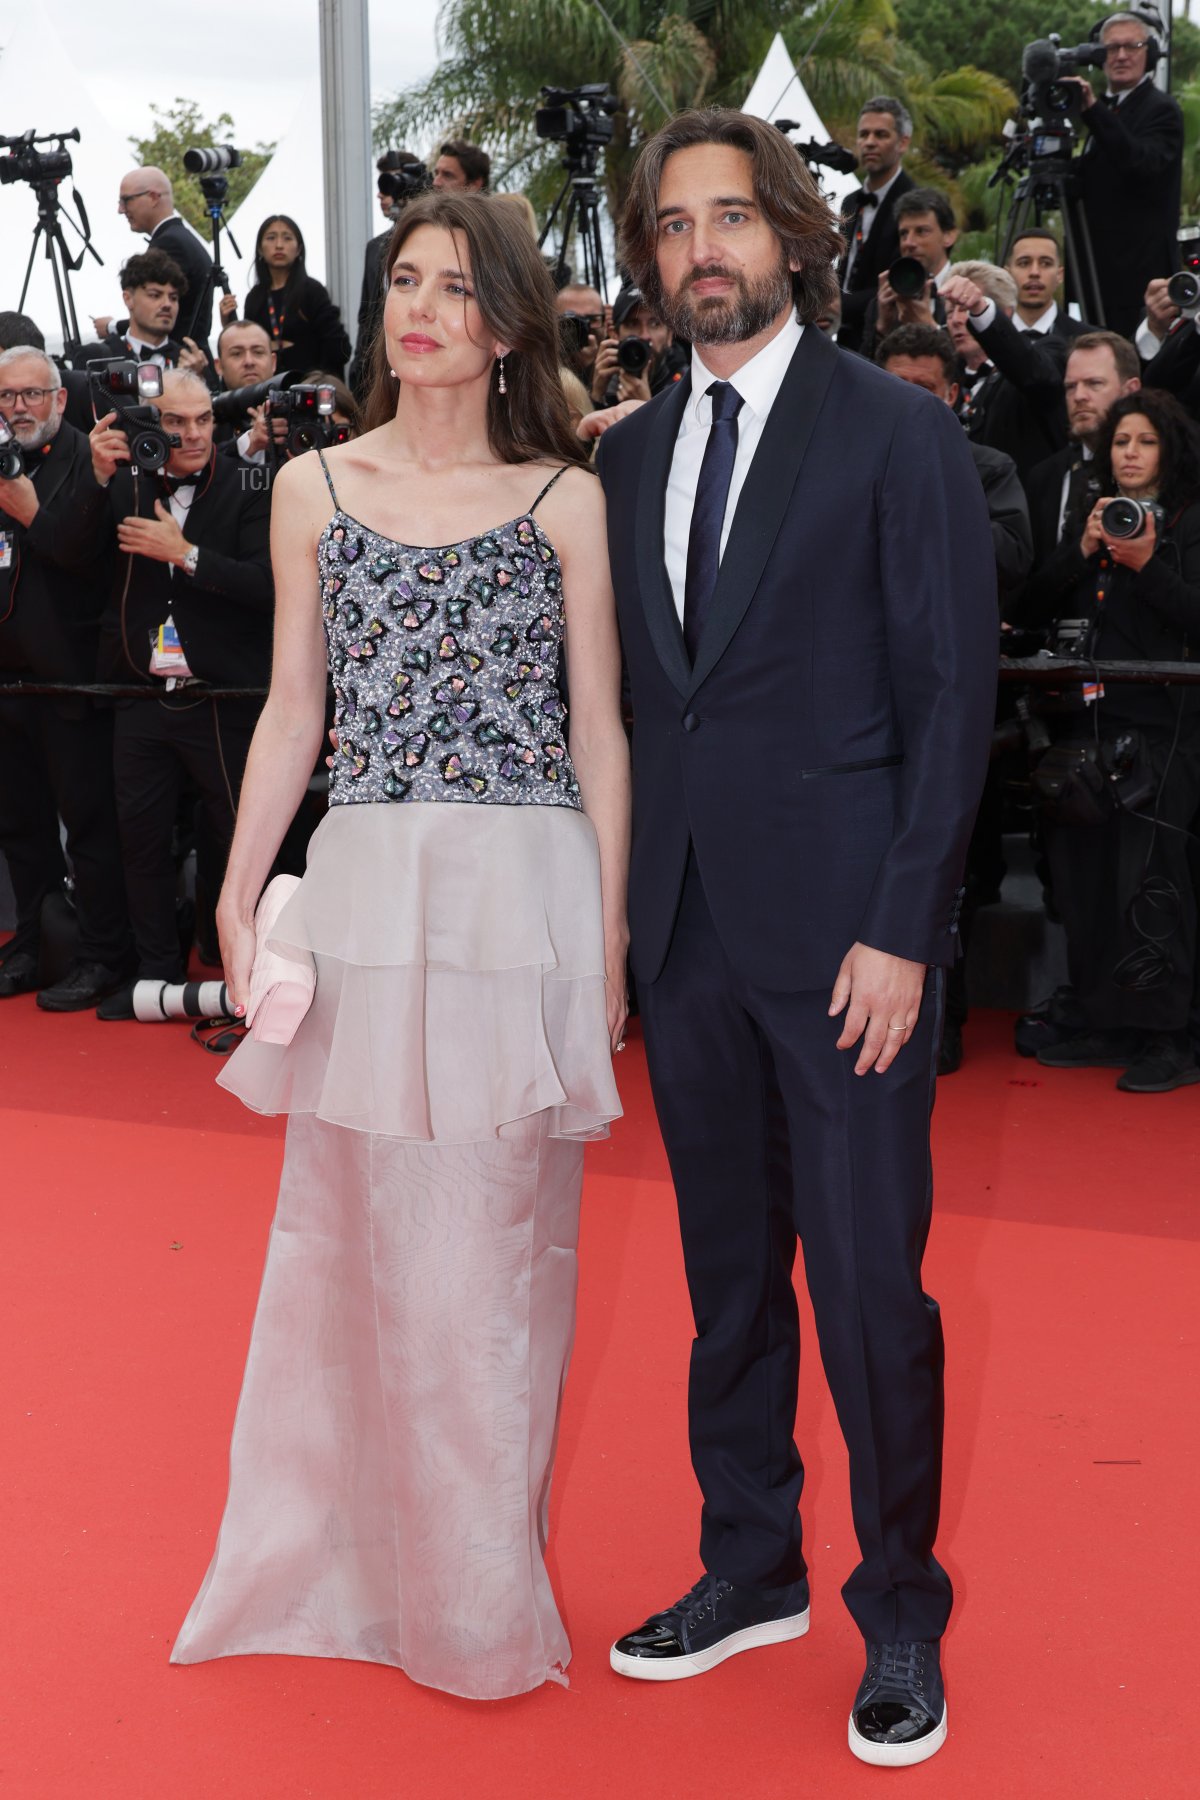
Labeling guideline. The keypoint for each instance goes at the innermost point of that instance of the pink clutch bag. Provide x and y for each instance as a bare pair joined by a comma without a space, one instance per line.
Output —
281,986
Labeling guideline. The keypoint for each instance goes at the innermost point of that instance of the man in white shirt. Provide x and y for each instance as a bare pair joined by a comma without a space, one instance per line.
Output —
806,587
1036,266
869,222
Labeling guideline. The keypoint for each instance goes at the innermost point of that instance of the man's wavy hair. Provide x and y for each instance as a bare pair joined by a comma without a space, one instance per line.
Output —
786,193
1179,448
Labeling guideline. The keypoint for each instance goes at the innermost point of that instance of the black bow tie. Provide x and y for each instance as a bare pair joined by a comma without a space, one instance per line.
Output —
865,198
1112,100
173,483
147,354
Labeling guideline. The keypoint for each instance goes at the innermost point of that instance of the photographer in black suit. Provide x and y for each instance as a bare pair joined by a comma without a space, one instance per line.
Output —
191,601
928,231
1129,176
869,223
153,288
1012,380
370,303
56,753
148,202
1101,369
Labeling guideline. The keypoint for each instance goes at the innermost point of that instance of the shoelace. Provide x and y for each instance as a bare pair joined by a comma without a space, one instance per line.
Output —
700,1599
895,1671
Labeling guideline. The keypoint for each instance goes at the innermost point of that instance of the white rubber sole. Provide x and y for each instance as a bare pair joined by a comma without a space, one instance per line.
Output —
679,1668
897,1756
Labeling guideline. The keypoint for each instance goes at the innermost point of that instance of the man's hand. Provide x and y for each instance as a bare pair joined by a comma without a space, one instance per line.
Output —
893,311
604,368
100,325
259,432
19,500
109,447
158,538
191,356
594,425
883,995
228,308
1087,93
634,387
1161,313
960,290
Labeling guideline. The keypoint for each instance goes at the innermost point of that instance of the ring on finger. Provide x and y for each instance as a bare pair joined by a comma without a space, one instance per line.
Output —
897,1027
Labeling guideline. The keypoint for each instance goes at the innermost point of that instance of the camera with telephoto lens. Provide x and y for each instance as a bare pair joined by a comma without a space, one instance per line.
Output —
573,330
405,182
1124,518
208,161
11,466
127,388
231,406
578,118
25,162
154,1001
1044,63
909,279
308,407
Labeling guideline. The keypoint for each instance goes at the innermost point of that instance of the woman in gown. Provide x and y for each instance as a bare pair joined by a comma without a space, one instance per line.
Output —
464,905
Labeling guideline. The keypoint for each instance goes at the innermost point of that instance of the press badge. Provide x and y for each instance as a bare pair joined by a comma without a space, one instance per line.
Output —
6,547
166,651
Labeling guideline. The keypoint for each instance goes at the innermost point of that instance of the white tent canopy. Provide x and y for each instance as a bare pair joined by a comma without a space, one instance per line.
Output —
779,93
292,183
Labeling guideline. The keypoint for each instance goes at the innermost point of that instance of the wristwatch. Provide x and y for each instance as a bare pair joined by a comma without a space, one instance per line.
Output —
188,565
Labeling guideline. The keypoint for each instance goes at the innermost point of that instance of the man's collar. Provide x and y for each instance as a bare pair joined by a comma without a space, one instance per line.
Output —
890,183
943,274
1043,324
131,337
757,381
1124,94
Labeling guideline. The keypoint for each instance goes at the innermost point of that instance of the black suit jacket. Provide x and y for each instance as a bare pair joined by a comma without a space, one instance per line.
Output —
879,252
825,754
114,345
195,309
370,312
1176,366
1019,408
313,330
223,613
1008,511
52,597
1128,179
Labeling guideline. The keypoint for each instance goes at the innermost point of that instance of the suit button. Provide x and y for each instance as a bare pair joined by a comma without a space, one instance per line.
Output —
691,721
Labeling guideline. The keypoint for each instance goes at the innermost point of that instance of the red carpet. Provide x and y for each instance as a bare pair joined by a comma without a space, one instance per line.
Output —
1064,1252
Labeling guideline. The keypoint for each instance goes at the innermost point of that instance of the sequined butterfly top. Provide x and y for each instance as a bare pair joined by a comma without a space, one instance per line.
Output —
445,665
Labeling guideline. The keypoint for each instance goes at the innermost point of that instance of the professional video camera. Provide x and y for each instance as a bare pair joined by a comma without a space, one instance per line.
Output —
11,466
25,162
45,171
127,388
578,118
404,183
1046,97
825,156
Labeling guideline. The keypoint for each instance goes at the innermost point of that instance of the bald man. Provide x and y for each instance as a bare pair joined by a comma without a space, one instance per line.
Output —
147,200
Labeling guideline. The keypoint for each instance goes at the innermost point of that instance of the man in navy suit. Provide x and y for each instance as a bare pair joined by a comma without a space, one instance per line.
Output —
807,597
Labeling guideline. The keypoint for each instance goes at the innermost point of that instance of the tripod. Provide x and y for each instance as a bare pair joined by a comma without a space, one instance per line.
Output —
49,232
215,189
582,214
1048,186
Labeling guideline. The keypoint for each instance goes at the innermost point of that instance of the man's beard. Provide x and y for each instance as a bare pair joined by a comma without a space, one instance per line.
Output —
41,434
752,308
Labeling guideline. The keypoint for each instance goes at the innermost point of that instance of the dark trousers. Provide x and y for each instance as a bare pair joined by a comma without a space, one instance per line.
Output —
55,766
157,745
770,1134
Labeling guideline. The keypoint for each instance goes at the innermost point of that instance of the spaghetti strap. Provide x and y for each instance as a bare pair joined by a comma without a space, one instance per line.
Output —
329,477
557,473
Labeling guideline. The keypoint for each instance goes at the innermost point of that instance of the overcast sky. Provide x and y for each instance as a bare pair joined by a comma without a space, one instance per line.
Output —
251,58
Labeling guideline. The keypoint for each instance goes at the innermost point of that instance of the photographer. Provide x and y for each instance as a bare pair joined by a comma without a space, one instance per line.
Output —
370,304
1129,176
153,287
1012,380
191,602
578,301
56,752
19,329
462,168
927,231
1120,863
641,360
1101,369
148,202
869,223
292,306
244,359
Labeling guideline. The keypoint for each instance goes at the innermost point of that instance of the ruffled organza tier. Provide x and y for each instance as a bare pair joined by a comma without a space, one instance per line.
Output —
460,977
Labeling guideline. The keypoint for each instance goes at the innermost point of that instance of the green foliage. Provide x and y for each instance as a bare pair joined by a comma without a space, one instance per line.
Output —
179,127
949,32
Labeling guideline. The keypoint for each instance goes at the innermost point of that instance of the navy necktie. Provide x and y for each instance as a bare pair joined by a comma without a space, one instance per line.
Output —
708,512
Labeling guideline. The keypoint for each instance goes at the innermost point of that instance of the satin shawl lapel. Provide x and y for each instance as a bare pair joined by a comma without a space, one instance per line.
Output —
662,620
765,495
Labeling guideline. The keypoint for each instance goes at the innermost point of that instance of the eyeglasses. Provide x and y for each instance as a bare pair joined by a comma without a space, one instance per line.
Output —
1130,44
30,396
124,199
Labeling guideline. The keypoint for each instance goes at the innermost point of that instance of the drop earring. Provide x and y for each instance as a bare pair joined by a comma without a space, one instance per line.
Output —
503,384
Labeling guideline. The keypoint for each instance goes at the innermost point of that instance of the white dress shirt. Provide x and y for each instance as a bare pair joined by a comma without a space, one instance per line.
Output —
758,382
137,345
1043,324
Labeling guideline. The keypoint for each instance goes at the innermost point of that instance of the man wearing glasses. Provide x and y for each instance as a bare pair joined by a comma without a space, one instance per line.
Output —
148,202
1129,174
56,753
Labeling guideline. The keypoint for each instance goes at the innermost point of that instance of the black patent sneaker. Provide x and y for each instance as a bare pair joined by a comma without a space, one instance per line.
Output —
1090,1050
713,1621
899,1715
1164,1062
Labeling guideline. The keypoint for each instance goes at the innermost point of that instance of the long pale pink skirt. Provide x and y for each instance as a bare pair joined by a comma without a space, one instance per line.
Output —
394,1442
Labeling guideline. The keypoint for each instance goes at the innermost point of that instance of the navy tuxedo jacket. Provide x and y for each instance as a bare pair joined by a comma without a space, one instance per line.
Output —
826,753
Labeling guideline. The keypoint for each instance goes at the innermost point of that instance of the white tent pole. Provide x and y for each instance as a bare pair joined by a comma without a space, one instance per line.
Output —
346,143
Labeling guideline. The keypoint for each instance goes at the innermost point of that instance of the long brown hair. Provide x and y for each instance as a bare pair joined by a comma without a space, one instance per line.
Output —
789,198
516,298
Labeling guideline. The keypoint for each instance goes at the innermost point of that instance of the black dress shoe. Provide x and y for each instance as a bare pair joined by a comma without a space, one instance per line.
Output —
1164,1062
713,1621
899,1715
82,986
950,1053
118,1005
1090,1050
18,975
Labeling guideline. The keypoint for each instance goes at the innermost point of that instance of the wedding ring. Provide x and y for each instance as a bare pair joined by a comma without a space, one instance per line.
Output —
897,1027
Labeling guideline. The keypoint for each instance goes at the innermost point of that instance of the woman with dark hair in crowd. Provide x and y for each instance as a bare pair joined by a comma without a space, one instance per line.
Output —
1122,877
464,904
292,306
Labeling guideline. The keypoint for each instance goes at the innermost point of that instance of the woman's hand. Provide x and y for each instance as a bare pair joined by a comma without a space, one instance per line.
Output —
228,308
238,944
616,993
1092,541
1134,553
